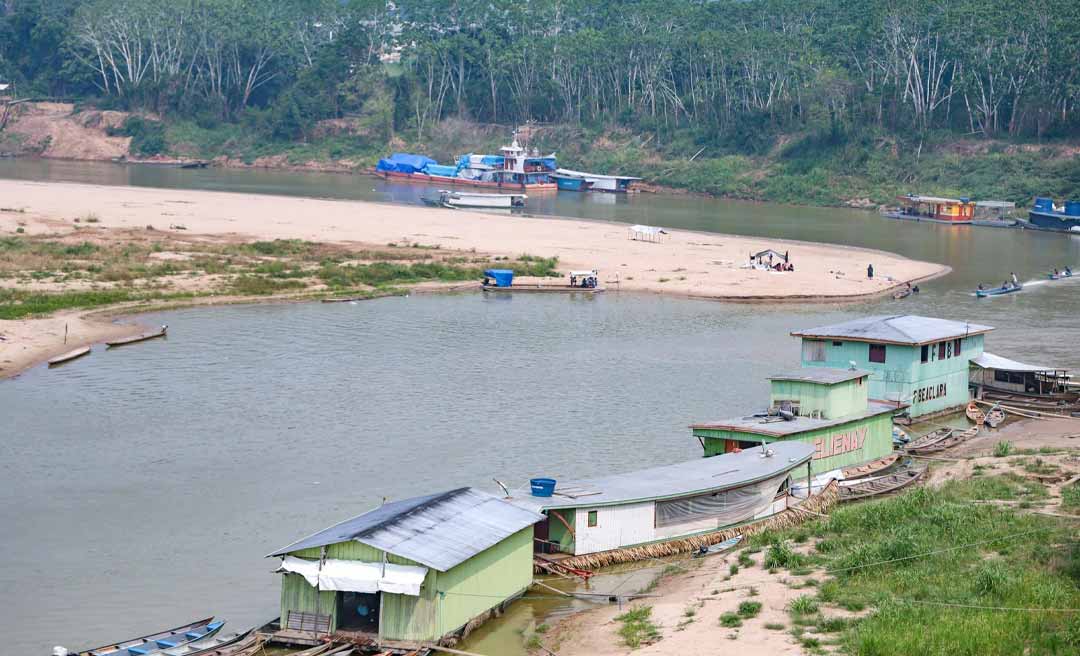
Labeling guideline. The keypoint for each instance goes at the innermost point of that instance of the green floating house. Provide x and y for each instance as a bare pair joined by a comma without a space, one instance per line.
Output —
918,362
411,572
829,409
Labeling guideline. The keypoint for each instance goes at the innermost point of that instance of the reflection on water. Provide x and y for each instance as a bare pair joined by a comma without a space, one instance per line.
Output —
141,485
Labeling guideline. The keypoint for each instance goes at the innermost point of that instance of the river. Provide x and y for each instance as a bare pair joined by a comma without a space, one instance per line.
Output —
142,486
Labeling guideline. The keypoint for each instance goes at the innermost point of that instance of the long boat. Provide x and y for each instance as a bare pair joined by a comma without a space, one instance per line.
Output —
213,645
999,291
502,280
599,182
950,211
69,356
872,467
1059,276
455,199
880,485
156,642
141,337
929,439
954,439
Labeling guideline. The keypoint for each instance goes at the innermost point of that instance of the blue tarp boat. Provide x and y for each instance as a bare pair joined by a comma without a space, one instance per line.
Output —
405,163
1044,216
498,278
998,291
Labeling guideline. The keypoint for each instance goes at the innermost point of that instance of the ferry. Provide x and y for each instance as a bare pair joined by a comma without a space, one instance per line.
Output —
1047,217
514,168
951,211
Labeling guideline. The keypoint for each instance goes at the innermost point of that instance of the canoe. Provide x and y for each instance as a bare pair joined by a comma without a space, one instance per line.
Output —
69,356
975,414
881,484
213,645
955,439
997,291
871,467
1059,276
930,439
995,417
155,642
719,547
250,644
141,337
904,293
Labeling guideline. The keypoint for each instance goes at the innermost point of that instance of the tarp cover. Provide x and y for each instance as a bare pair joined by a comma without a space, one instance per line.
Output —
502,277
356,576
404,163
727,507
439,169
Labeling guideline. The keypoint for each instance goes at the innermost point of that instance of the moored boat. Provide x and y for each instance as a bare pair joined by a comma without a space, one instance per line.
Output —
502,280
599,182
454,199
567,182
975,414
929,439
155,642
870,468
995,417
69,356
951,211
513,168
213,645
880,485
141,337
1047,217
954,439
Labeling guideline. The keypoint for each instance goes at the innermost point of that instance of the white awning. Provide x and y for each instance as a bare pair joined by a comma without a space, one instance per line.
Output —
991,361
582,273
648,230
357,576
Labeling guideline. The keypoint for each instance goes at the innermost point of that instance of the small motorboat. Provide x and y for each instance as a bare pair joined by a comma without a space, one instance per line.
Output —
455,199
975,414
156,642
1058,275
998,291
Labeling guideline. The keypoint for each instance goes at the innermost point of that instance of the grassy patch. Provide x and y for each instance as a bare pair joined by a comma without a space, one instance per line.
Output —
748,609
15,304
1070,498
637,627
804,605
1002,449
775,626
730,620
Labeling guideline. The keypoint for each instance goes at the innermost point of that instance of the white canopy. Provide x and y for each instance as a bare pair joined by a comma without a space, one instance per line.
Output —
647,230
357,576
583,273
991,361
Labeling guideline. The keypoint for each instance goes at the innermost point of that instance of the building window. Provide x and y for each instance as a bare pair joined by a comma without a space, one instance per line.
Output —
877,353
837,343
941,351
956,347
925,353
592,519
813,350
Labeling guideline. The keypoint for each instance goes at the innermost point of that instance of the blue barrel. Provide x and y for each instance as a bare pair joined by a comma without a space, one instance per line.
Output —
1072,207
542,487
1044,205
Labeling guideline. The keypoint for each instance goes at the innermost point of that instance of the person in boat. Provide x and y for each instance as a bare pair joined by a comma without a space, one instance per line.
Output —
1056,272
869,270
980,287
1068,271
1015,281
915,289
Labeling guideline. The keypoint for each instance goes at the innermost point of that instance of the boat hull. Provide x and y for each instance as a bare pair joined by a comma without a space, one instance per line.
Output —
572,184
1000,291
424,178
900,216
485,200
1054,221
551,289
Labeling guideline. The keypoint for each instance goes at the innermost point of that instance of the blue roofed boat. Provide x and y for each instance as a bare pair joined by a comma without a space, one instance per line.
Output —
1046,217
156,642
500,278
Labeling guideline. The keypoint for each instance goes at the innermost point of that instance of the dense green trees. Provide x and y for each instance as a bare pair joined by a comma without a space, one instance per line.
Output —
730,72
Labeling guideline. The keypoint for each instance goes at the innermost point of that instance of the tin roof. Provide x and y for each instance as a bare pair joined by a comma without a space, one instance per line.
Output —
991,361
776,427
907,329
822,375
438,530
668,481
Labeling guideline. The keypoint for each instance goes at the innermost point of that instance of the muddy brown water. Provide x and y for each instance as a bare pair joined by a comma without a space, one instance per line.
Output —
141,486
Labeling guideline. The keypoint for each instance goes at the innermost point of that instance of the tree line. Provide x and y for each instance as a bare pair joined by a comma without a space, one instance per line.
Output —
732,71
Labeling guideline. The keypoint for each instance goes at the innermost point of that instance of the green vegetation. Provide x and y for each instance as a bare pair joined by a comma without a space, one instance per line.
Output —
781,555
775,626
1003,449
730,620
1070,498
804,605
748,609
637,627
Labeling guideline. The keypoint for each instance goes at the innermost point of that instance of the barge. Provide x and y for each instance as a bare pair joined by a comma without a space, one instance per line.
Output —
513,168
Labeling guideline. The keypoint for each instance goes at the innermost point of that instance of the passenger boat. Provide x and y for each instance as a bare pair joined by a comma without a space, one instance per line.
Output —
1045,216
567,182
975,414
950,211
502,280
142,337
598,182
998,291
513,168
155,642
69,356
455,199
996,378
880,485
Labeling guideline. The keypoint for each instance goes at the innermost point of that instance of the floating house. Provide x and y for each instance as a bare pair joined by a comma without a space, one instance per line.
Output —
594,181
667,503
917,362
513,168
420,570
993,376
1047,217
828,410
953,211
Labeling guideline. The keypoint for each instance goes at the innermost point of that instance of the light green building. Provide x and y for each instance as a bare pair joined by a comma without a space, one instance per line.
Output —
409,572
920,362
829,409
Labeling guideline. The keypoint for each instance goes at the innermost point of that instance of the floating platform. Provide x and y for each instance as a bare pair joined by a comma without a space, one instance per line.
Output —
544,289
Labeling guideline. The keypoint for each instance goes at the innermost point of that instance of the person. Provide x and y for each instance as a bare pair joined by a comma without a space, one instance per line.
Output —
1014,279
980,286
915,289
1068,271
1005,285
1056,272
869,270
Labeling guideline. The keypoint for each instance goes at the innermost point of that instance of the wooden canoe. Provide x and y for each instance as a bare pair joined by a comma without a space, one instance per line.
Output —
903,293
141,337
872,467
69,356
995,417
956,438
929,439
975,414
250,644
214,645
881,485
155,642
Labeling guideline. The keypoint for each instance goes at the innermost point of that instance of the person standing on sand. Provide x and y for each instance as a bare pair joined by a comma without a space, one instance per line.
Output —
869,270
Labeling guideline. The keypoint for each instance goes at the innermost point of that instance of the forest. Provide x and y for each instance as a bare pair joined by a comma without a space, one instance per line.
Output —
732,76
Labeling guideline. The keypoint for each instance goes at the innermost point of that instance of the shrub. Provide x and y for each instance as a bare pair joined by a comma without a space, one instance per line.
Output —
804,605
748,609
1002,449
730,620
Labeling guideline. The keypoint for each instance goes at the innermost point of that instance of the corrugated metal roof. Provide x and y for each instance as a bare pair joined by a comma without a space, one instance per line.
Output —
823,375
991,361
896,329
681,479
438,530
774,428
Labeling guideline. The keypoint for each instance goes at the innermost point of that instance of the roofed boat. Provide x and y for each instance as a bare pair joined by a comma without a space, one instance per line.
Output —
951,211
998,378
502,280
155,642
513,168
600,182
1045,216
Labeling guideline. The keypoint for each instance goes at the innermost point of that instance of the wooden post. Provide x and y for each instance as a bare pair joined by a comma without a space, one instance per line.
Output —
809,482
65,332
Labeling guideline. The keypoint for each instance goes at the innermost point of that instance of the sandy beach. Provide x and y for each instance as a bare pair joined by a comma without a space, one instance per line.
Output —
685,263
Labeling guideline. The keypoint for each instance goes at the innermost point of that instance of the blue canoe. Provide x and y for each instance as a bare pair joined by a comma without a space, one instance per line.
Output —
997,291
155,642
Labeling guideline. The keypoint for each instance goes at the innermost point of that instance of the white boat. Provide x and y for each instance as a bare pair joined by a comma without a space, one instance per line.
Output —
597,182
470,199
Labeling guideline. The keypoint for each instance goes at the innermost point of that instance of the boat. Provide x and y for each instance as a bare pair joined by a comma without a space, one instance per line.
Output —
513,168
995,417
567,182
718,548
955,439
903,293
155,642
899,437
1045,216
599,182
1008,288
930,439
1058,276
872,467
213,645
142,337
950,211
69,356
249,643
975,414
455,199
880,485
502,280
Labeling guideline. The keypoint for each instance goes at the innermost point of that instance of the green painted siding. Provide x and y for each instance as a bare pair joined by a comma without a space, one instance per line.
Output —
557,531
403,617
297,594
835,445
929,387
832,401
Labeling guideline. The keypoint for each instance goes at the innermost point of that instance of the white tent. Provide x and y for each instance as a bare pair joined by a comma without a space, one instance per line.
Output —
647,233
